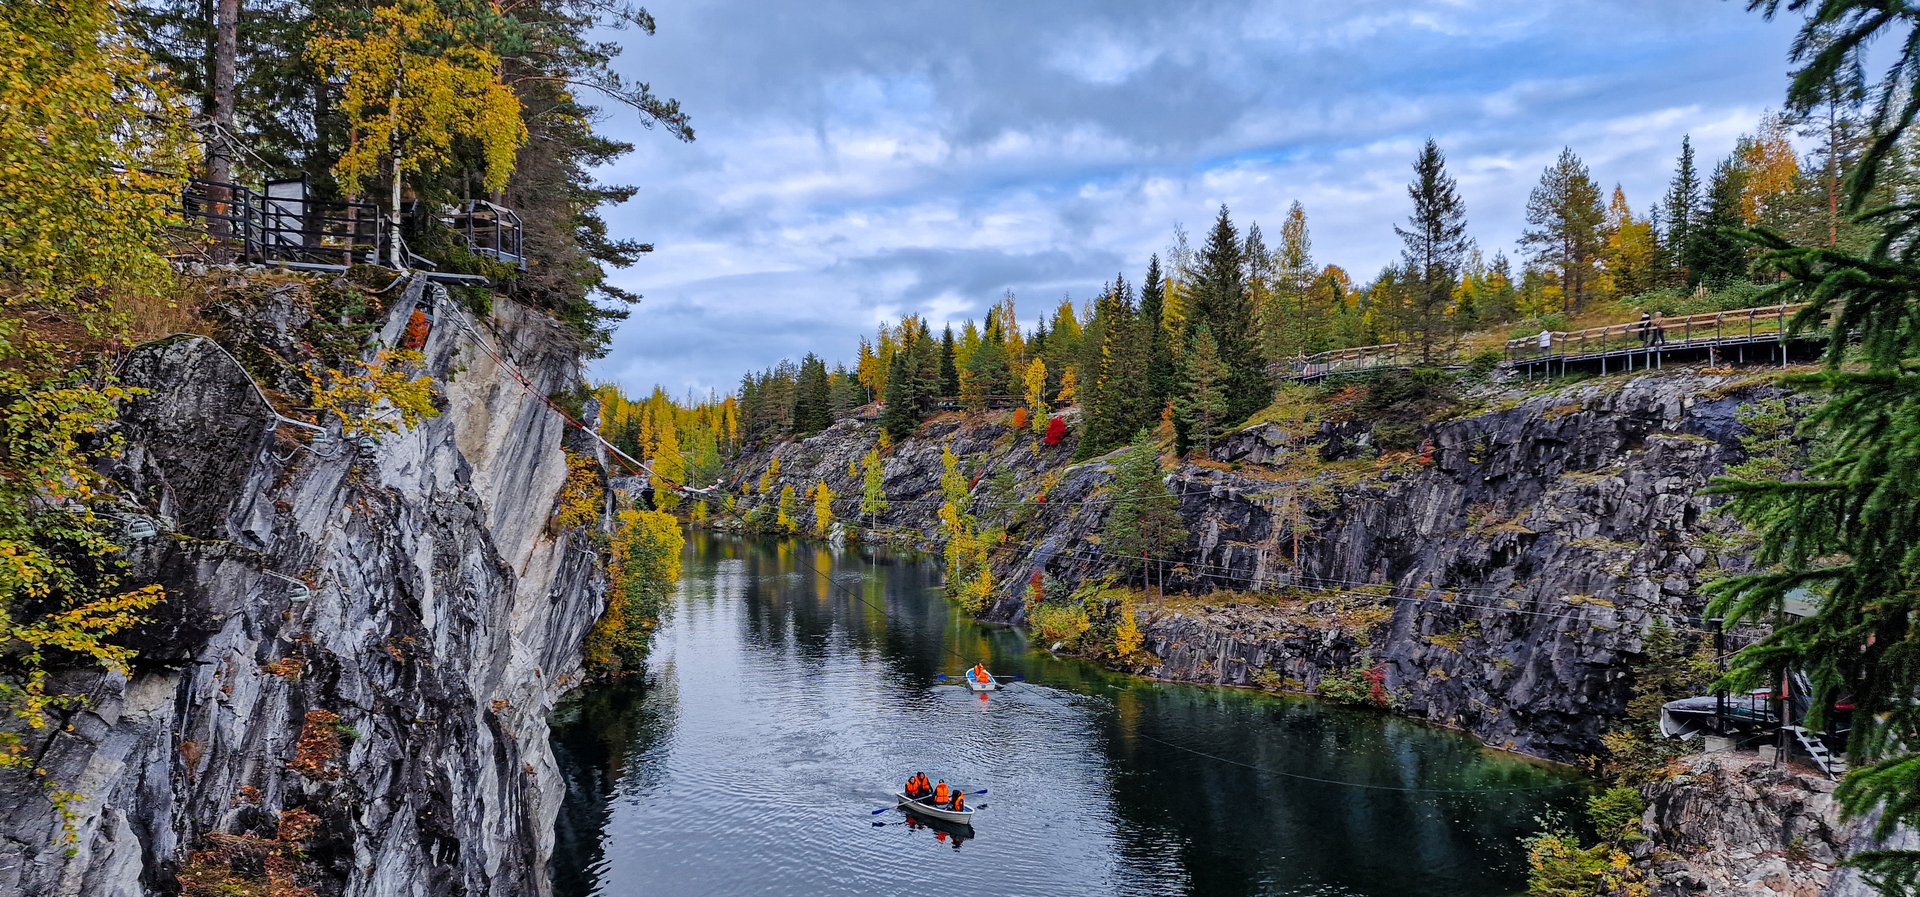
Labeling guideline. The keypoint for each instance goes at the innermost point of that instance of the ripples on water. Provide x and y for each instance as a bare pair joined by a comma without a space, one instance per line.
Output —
780,710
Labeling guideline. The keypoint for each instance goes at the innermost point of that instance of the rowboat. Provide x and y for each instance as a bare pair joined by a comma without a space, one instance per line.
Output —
991,684
928,809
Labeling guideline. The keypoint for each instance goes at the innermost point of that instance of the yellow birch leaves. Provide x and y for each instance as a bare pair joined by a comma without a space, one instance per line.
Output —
85,129
414,81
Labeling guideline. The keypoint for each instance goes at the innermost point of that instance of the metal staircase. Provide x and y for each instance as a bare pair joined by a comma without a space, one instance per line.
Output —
1814,748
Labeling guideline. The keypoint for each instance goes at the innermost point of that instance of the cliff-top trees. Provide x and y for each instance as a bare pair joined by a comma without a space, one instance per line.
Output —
1220,301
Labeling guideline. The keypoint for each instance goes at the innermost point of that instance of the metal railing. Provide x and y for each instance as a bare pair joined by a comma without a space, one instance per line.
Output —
284,224
491,231
277,225
1691,331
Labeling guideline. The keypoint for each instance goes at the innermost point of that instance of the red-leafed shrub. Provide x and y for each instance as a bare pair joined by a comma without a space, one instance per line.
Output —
1056,431
417,329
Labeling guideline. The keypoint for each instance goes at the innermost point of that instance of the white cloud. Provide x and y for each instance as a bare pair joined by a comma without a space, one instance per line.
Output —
858,161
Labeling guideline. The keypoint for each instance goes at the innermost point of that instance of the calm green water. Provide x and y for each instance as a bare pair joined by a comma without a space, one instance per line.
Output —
781,708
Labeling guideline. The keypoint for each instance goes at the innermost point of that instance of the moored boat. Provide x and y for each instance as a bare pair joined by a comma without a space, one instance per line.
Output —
931,810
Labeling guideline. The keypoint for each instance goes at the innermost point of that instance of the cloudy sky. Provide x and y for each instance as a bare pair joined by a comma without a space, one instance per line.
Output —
857,160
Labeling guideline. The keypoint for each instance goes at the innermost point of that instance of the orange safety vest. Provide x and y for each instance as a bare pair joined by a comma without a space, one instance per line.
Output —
979,673
959,800
940,793
921,786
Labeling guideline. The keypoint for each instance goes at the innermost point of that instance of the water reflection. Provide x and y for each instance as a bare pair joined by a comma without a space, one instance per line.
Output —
784,707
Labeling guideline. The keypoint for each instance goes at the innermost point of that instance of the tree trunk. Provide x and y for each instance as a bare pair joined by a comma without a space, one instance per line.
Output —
393,119
226,48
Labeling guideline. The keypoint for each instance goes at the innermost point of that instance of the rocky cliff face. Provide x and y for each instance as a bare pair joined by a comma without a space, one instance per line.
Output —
1732,824
381,733
1499,580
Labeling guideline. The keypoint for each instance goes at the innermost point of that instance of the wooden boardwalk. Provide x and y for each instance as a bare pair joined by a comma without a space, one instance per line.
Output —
1739,336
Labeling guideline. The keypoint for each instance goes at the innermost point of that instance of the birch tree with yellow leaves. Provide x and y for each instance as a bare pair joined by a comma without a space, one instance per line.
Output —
413,85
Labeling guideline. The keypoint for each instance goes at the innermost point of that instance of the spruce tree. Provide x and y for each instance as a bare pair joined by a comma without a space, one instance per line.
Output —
1436,245
1116,401
1682,207
813,399
1220,302
902,415
949,373
1848,529
1160,378
1144,523
1203,406
1715,252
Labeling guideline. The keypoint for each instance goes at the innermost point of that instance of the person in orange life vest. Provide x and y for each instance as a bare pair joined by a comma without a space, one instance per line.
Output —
922,787
940,792
979,674
913,786
959,801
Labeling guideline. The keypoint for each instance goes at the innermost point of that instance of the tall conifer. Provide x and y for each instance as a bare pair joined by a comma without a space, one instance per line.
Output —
1436,246
1161,377
1220,302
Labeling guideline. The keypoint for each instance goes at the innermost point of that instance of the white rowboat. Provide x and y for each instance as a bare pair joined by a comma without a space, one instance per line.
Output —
973,684
928,809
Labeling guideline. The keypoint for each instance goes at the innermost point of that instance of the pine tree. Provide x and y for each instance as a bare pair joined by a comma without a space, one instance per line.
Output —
1436,245
1202,406
1564,217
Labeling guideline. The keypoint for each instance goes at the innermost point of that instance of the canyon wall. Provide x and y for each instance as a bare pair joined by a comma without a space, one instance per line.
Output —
1498,578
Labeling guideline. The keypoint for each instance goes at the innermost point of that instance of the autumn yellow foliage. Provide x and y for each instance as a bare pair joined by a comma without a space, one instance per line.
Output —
378,396
644,567
412,80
